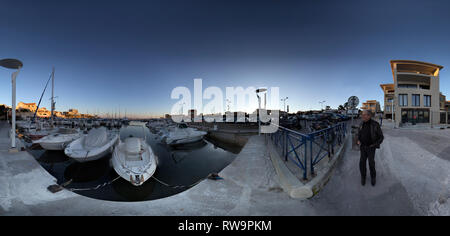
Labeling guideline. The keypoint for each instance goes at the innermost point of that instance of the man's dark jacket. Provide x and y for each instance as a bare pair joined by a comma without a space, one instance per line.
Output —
375,131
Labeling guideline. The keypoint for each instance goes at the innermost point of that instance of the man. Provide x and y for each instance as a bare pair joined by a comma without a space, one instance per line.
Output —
370,137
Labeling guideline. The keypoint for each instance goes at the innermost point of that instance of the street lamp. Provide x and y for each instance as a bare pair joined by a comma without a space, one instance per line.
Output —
321,104
16,65
284,100
260,90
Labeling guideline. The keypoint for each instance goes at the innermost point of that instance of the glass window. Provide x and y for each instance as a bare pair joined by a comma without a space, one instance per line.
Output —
427,100
403,100
424,87
407,86
416,100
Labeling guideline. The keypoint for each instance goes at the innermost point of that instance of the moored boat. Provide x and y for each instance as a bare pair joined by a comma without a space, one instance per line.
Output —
134,160
95,145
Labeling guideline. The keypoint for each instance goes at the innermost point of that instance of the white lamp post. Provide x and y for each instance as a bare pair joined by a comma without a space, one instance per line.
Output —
17,65
260,90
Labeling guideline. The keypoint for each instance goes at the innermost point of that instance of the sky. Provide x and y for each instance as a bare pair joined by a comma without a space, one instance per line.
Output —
129,55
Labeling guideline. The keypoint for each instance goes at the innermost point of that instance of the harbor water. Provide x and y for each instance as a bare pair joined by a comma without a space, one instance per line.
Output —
177,166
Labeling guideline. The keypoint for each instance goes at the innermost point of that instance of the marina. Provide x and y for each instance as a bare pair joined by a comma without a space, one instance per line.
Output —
179,166
208,108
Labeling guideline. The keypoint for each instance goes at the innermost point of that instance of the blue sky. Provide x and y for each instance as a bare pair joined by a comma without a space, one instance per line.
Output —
131,54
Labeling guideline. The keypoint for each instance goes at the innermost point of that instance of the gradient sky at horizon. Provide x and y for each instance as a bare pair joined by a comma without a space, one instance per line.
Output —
131,54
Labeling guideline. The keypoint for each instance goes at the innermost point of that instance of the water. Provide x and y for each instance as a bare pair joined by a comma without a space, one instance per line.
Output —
176,166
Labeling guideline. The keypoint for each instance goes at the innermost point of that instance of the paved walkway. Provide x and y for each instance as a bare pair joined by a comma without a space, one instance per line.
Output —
411,181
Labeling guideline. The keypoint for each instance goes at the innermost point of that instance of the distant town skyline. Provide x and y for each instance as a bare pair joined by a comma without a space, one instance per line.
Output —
115,55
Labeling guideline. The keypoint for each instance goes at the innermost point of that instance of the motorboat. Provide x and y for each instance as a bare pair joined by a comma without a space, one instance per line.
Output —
137,123
92,146
182,134
58,140
134,160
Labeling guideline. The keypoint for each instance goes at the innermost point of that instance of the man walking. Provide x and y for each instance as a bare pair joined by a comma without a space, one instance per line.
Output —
370,137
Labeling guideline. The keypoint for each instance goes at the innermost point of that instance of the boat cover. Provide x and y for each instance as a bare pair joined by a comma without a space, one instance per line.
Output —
96,138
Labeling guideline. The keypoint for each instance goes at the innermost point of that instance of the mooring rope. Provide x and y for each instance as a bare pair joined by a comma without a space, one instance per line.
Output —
94,188
210,176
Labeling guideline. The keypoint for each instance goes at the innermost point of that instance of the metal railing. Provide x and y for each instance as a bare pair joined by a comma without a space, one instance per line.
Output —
307,150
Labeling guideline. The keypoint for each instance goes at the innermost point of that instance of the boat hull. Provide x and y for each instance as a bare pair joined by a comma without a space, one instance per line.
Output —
54,146
76,152
185,140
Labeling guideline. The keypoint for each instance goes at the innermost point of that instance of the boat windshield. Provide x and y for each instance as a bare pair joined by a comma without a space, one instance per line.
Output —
182,126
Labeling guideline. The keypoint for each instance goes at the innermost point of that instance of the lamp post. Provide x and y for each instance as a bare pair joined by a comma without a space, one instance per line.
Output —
321,104
260,90
284,100
17,65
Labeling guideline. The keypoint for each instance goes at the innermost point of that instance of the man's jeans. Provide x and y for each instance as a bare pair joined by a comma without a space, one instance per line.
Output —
367,153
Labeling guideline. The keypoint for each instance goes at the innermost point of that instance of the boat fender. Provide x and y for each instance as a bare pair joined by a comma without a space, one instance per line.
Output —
214,176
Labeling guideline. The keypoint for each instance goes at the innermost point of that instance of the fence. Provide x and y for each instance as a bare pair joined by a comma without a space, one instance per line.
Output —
307,150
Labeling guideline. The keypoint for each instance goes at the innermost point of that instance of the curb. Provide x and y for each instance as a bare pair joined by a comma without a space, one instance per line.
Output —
293,186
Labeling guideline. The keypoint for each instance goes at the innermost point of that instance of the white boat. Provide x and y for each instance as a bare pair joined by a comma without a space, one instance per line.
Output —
92,146
181,134
137,123
134,160
59,140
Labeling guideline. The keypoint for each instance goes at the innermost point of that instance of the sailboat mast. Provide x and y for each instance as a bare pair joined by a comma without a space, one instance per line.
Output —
53,95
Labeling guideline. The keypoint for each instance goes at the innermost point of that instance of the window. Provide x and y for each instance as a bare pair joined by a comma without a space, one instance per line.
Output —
416,100
424,87
427,100
390,100
403,100
407,86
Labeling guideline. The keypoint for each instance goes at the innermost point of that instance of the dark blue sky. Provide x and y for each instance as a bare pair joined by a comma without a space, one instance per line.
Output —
131,54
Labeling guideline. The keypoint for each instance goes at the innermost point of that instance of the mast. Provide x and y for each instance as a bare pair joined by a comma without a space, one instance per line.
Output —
53,95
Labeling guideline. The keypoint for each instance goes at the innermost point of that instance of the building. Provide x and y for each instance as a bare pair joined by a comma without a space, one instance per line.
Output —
389,93
372,105
414,96
442,102
27,110
192,114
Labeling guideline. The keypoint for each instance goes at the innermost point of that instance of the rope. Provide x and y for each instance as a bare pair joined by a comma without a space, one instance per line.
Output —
210,176
94,188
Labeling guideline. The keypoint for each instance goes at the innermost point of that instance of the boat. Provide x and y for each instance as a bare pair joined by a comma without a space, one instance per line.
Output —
137,123
92,146
134,160
59,140
182,134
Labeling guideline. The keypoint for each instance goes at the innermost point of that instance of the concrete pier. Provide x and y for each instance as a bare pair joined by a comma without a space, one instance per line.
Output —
415,182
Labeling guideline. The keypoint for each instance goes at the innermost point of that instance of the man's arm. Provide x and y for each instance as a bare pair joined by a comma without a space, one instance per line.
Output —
379,135
358,136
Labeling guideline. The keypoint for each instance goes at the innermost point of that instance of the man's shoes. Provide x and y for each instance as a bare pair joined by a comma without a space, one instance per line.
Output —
373,182
363,181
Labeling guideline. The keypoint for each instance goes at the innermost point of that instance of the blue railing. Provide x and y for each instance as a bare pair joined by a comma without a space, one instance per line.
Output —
306,150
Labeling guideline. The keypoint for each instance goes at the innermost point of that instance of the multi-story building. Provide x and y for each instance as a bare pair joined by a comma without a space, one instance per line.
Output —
442,102
389,93
414,96
372,105
27,110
